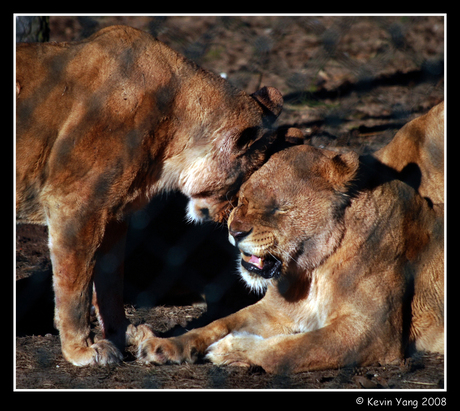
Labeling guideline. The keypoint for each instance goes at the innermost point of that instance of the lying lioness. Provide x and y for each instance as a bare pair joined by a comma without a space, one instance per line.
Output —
351,260
102,126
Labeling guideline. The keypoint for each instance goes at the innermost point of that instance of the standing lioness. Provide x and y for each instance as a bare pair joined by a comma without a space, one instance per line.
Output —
102,126
351,260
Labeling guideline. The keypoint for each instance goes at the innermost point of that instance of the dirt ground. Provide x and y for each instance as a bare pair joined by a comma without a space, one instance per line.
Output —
349,84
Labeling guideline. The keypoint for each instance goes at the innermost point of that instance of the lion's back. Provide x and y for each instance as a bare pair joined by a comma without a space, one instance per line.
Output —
69,94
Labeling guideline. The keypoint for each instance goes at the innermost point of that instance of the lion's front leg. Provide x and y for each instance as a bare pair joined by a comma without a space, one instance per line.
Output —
238,349
186,348
108,284
255,319
279,354
72,248
336,345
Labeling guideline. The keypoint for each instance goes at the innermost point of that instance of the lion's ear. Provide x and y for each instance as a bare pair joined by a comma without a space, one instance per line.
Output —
344,169
270,100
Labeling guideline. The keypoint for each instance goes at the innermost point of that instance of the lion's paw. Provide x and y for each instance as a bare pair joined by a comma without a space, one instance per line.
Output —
102,352
136,334
106,353
159,351
234,349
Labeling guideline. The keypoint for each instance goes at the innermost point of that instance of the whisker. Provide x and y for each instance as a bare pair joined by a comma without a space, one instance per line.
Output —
226,196
285,253
230,207
273,256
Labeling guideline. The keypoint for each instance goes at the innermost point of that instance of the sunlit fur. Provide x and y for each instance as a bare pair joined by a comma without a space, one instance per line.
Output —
362,275
102,126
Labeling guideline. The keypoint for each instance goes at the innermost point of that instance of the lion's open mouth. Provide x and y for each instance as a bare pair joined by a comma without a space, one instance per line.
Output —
266,267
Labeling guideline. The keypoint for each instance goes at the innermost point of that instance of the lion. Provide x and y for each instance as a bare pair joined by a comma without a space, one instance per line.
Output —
416,154
102,126
350,260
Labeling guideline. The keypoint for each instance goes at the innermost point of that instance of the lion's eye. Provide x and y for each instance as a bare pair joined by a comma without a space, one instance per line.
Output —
274,208
279,210
247,137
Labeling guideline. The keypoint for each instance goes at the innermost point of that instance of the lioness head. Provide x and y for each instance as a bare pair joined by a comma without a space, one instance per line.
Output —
288,218
239,147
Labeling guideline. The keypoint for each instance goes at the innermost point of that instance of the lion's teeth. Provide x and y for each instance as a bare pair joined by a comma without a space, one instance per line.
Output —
246,257
257,261
254,260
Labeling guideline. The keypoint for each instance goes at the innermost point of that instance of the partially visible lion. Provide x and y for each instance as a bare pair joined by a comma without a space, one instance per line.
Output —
416,154
102,126
351,261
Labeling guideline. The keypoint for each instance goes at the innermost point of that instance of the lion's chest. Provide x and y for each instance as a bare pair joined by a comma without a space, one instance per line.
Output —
312,312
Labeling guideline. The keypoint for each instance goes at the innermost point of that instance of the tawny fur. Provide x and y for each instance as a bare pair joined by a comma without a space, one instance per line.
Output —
102,126
416,153
362,275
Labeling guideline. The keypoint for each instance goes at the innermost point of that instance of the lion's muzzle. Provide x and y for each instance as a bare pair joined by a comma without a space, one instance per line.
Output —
267,267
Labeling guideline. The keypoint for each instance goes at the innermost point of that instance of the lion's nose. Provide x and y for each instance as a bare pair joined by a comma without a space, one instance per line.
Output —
238,235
